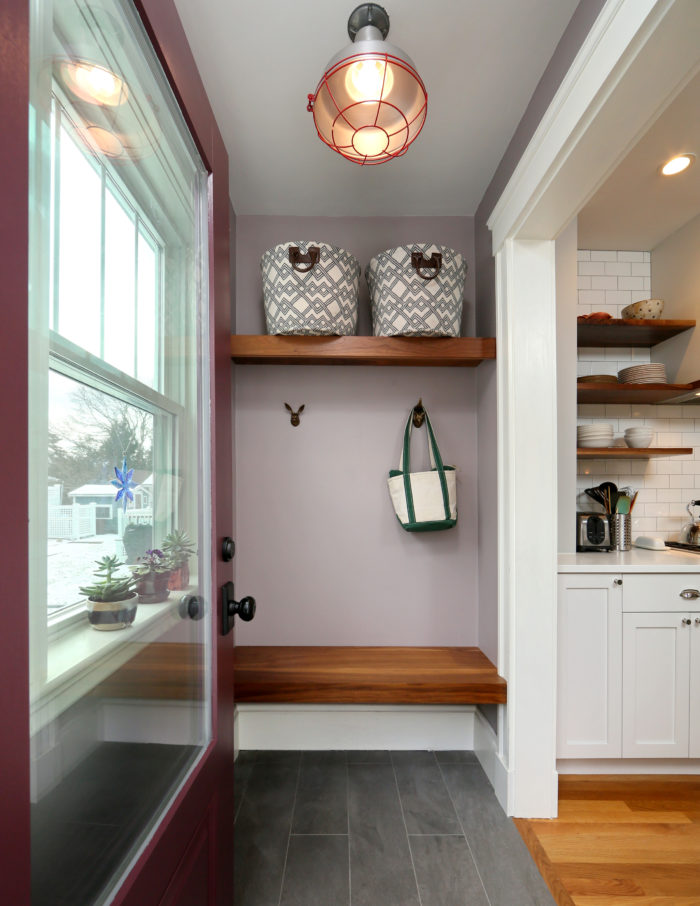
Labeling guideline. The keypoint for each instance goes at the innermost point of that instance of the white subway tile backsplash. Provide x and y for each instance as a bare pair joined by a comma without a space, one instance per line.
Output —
618,268
607,282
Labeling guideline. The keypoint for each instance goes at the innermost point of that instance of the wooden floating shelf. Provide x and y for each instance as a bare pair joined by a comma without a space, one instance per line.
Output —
620,332
465,352
381,675
630,452
630,393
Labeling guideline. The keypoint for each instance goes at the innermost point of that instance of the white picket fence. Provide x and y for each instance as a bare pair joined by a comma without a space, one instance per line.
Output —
140,517
72,522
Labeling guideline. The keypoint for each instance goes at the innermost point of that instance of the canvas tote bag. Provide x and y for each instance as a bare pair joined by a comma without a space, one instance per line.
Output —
423,501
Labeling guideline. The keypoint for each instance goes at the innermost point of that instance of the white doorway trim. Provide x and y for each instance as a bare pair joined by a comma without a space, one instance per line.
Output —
637,57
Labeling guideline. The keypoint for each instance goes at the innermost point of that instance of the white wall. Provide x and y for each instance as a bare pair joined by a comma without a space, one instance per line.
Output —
609,280
565,253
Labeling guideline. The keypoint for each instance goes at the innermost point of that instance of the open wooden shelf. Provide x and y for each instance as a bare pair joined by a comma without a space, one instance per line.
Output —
349,675
630,393
630,452
466,352
620,332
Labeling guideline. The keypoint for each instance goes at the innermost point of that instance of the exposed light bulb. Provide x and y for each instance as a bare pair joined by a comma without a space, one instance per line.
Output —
369,80
677,164
370,141
95,84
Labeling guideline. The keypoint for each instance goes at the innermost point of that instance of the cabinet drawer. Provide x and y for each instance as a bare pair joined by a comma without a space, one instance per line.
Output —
660,592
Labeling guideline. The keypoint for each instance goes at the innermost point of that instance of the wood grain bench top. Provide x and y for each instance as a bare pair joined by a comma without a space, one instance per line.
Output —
360,675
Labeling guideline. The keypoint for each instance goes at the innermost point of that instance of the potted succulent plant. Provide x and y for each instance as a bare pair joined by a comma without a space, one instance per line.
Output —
111,600
179,548
151,575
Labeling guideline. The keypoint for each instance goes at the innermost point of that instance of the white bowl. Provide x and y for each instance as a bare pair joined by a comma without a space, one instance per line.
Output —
637,442
600,443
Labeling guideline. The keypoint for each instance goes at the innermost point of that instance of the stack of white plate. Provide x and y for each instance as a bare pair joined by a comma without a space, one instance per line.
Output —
639,437
651,373
595,435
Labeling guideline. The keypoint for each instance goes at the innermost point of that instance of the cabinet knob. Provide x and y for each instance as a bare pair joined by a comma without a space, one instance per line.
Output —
617,581
686,621
689,594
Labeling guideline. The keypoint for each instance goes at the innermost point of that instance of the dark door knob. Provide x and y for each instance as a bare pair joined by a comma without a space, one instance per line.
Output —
228,549
245,608
191,607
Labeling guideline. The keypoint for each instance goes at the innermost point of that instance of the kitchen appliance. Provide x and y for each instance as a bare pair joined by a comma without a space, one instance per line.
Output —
592,532
690,533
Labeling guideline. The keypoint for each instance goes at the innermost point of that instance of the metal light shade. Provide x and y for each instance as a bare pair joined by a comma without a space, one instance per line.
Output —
370,103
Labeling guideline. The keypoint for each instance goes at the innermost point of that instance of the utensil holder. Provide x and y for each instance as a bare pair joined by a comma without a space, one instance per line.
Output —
621,531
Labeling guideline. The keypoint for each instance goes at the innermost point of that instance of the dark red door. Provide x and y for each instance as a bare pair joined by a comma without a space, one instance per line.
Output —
186,857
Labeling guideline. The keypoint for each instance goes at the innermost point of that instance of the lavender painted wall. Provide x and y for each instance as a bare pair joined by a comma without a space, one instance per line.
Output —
574,35
318,543
363,236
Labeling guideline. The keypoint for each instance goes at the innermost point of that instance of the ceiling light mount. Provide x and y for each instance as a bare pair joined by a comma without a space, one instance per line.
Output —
370,103
368,14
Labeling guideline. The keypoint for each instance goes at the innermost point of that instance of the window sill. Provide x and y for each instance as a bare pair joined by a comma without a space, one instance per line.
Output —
79,660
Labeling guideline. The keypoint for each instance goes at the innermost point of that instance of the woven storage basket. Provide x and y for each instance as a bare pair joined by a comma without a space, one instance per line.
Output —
310,288
417,290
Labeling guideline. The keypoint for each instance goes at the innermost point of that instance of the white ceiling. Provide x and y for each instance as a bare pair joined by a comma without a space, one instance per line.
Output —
636,208
480,60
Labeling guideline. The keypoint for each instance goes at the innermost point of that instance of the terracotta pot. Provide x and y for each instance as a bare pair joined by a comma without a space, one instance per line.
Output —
110,615
153,588
180,576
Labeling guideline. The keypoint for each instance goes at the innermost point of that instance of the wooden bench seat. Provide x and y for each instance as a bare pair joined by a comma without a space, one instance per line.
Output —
356,675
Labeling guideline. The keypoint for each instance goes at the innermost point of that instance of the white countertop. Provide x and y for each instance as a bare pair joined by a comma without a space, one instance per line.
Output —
636,560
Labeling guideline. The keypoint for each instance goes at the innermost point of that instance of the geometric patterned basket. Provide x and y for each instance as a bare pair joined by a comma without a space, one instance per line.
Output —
417,290
310,288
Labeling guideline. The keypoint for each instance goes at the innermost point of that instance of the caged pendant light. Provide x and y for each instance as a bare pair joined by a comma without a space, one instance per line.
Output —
370,103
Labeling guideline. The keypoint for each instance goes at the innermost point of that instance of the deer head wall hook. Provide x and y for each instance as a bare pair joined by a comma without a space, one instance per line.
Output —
295,415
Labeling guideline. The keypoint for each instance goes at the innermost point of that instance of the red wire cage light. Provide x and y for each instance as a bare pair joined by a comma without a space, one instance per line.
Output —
369,107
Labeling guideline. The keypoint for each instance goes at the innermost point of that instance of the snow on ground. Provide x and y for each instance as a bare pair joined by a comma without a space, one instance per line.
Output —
71,564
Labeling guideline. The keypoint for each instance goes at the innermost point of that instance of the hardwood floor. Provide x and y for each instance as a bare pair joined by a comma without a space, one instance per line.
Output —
621,841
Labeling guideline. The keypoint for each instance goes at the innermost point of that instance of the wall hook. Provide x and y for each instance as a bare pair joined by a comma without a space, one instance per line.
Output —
418,414
295,415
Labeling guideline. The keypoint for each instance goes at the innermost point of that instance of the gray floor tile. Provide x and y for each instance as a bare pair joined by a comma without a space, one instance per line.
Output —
273,756
361,756
317,872
413,757
241,776
446,872
457,757
332,757
262,834
427,806
381,870
504,863
322,799
246,756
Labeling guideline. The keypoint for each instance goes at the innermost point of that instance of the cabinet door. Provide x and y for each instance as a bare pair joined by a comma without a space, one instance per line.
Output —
694,748
589,686
656,678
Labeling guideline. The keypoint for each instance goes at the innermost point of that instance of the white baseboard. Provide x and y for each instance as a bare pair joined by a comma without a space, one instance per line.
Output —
628,766
283,726
486,750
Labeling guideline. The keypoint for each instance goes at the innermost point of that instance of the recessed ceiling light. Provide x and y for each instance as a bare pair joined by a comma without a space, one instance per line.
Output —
677,164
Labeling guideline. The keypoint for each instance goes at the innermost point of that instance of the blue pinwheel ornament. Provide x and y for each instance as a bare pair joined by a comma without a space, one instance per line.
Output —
124,483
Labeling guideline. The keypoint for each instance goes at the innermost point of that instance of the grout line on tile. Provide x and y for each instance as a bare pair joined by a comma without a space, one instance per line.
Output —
466,839
291,825
405,826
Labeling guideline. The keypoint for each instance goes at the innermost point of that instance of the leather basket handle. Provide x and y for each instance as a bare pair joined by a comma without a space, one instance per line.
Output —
433,263
296,258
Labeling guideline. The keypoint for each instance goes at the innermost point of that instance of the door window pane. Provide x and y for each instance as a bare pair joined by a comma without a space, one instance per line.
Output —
119,528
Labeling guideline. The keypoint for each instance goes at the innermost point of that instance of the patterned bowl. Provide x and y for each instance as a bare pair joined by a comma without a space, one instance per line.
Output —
647,309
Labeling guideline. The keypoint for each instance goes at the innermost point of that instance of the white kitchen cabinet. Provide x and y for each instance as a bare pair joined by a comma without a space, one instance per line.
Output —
589,668
656,684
